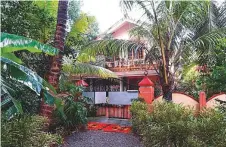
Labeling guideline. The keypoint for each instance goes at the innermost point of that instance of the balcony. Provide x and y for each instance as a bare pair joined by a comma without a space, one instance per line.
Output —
128,65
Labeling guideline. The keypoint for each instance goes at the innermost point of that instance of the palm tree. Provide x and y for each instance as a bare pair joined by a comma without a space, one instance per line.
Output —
170,28
59,41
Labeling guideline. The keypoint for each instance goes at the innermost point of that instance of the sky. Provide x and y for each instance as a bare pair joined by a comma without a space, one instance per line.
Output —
107,12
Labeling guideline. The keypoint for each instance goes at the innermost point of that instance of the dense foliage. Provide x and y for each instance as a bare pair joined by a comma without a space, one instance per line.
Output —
34,20
26,131
26,18
208,75
71,108
168,124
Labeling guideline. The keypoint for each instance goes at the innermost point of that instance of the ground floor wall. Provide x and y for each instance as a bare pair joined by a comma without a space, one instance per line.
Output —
120,84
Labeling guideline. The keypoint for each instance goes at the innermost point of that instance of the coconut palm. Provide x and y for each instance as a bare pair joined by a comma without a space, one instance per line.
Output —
170,28
59,41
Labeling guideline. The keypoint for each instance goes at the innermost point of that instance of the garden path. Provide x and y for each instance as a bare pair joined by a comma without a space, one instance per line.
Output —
103,139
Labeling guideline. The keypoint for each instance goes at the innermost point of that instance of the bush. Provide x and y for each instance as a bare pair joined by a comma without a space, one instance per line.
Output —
26,131
173,125
139,112
67,118
91,110
210,128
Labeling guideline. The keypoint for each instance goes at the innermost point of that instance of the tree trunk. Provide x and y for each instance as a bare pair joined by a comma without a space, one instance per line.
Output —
167,87
59,40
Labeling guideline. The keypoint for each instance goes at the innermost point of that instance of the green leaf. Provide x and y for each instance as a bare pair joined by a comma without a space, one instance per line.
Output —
48,98
11,43
85,69
9,109
60,107
18,105
12,57
26,76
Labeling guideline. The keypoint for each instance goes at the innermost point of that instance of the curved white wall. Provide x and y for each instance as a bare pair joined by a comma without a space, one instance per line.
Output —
213,103
182,99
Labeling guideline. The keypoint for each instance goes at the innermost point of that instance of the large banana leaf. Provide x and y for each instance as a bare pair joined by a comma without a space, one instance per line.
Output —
12,57
26,76
9,104
10,43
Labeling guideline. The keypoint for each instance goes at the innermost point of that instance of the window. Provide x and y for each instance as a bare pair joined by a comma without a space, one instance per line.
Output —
138,54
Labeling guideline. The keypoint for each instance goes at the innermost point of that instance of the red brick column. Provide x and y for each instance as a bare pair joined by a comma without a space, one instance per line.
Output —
146,90
202,100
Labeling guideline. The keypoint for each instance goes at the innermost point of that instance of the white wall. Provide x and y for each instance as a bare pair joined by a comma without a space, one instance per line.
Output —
213,103
182,99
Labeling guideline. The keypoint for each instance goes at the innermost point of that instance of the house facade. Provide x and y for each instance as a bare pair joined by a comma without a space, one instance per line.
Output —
129,66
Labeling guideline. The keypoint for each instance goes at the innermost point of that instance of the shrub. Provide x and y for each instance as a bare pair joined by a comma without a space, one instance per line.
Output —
69,117
139,112
173,125
169,124
74,113
71,110
91,110
210,128
26,131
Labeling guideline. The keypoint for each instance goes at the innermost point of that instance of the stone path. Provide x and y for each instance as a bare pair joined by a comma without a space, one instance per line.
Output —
103,139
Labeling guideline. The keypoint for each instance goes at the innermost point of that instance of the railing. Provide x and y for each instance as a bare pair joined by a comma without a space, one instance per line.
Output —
128,65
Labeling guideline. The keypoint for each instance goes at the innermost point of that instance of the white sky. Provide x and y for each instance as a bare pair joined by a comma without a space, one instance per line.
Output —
107,12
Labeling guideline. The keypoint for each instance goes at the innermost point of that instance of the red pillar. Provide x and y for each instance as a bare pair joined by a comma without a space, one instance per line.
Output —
146,90
202,100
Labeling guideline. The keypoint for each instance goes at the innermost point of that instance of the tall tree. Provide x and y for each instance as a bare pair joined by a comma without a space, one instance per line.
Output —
32,19
59,41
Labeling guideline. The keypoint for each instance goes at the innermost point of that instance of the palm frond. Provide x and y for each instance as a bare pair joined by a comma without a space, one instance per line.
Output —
209,40
109,47
222,15
11,43
85,58
85,69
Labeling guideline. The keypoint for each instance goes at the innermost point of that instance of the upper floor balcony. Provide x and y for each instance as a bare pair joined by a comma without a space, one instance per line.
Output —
124,65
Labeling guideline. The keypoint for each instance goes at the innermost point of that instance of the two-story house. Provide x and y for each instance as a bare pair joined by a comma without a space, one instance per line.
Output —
130,66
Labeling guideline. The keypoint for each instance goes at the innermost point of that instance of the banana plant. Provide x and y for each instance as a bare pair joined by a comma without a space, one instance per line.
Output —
11,66
23,75
11,43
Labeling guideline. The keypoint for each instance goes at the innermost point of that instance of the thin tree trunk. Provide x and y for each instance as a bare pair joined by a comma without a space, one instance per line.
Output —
166,87
59,41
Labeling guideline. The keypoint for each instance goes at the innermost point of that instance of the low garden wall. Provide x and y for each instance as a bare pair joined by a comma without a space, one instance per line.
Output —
183,99
213,101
